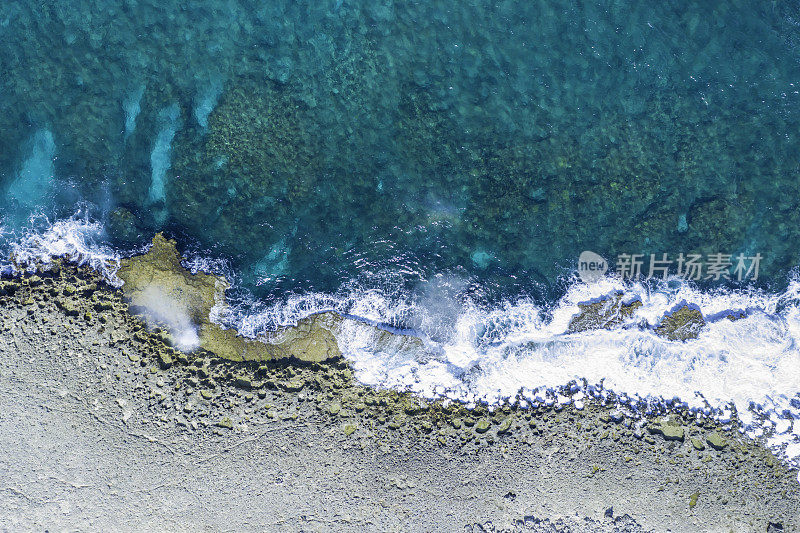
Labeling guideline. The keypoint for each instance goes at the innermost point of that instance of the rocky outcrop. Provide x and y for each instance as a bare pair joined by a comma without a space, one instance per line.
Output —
604,314
171,297
683,324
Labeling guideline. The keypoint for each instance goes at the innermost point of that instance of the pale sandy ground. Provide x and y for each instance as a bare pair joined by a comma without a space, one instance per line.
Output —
89,442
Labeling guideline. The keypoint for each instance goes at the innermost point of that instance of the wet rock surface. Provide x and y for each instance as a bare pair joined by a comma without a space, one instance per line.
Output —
103,423
683,324
606,313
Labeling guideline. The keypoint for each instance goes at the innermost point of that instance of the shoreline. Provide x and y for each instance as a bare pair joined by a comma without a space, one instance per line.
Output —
78,369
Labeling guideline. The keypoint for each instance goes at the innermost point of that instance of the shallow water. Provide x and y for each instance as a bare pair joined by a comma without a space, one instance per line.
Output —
433,168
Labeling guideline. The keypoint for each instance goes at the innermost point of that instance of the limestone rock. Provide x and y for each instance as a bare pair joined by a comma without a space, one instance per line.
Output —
225,422
158,286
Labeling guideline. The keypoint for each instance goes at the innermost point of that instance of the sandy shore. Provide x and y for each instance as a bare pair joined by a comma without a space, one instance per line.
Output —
103,427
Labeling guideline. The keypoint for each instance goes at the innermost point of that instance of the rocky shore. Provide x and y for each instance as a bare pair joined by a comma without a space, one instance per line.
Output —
104,424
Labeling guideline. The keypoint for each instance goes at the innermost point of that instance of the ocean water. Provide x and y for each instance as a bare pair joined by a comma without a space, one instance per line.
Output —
437,168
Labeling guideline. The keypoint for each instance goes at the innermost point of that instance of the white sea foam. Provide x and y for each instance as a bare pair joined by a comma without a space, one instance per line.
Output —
77,239
162,308
521,351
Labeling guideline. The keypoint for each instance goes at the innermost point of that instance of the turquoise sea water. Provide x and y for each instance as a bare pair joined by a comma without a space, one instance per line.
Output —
314,142
433,165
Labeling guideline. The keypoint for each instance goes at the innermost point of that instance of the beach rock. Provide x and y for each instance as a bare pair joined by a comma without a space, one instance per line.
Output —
243,382
716,441
9,287
617,416
164,359
159,287
225,422
68,307
295,385
669,431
